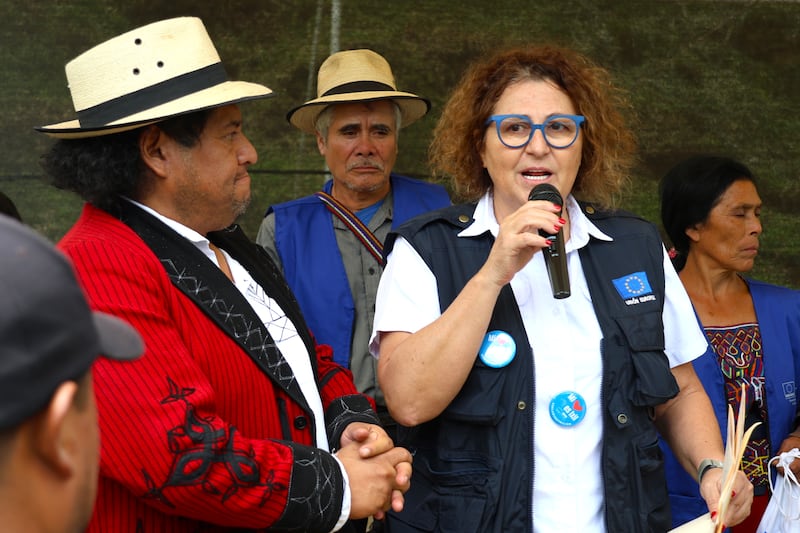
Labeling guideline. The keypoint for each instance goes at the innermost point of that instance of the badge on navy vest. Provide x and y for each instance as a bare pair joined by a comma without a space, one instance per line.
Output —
498,349
634,288
567,408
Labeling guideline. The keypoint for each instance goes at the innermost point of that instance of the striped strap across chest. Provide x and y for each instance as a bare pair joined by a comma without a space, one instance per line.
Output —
354,224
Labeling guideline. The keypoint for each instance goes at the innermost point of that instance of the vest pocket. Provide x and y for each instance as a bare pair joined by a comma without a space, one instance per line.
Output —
451,492
653,380
650,488
479,401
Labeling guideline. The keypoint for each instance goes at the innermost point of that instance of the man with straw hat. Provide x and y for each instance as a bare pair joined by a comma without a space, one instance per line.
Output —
49,338
329,244
227,419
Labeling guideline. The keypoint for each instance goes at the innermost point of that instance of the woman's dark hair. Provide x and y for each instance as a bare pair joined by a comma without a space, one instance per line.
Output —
688,193
100,169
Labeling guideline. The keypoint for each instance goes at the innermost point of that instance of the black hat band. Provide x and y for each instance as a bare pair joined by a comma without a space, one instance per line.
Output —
153,96
359,87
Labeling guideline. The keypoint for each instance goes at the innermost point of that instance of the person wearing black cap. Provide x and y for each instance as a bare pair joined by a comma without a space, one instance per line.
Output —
49,338
234,418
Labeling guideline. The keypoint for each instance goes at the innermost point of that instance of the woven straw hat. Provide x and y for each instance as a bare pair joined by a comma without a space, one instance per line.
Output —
147,75
356,76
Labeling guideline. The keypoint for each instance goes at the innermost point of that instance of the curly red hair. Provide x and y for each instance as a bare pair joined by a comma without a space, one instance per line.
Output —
608,143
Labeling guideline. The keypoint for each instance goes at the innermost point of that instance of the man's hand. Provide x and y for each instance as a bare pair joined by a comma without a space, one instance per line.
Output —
379,472
371,439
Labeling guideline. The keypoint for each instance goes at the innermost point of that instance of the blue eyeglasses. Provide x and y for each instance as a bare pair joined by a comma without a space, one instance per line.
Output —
516,131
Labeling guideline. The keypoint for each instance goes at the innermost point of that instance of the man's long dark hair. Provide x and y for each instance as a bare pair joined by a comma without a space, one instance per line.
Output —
100,169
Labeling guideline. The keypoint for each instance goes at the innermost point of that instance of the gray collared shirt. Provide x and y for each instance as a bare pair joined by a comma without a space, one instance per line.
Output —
363,273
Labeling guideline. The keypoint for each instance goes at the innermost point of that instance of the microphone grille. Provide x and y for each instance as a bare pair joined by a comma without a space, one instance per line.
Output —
546,191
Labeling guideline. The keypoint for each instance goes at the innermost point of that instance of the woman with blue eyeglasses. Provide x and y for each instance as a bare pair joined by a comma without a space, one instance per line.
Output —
532,405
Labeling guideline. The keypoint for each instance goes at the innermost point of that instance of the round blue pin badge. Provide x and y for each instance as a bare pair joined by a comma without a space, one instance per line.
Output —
498,349
567,408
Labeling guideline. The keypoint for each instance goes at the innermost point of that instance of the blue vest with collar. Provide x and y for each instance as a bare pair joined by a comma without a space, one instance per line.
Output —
312,263
778,315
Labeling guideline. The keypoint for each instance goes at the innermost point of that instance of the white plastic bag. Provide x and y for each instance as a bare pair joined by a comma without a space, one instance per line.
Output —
782,514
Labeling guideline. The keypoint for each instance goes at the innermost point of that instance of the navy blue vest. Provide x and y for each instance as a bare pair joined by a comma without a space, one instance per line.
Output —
474,463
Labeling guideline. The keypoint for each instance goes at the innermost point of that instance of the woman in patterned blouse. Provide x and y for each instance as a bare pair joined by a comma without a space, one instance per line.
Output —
710,209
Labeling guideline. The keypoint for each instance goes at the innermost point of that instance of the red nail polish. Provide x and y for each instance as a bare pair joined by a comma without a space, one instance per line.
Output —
557,207
713,514
562,221
733,494
556,227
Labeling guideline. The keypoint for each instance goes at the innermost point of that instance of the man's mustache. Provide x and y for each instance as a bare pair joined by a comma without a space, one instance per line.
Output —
366,163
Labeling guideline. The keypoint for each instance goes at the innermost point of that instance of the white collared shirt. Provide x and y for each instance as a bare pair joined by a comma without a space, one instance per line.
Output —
568,484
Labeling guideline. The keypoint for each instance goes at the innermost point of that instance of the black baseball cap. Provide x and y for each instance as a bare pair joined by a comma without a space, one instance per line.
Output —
48,333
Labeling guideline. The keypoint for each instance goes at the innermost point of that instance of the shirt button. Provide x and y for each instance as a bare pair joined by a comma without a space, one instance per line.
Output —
371,271
521,406
622,418
300,422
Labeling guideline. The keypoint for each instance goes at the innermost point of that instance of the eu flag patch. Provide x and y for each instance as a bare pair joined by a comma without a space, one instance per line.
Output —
633,285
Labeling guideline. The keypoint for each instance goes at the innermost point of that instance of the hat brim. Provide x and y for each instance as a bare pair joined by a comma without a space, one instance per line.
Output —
227,93
118,340
412,107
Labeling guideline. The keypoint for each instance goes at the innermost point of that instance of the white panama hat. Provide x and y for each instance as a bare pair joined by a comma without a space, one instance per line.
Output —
356,76
155,72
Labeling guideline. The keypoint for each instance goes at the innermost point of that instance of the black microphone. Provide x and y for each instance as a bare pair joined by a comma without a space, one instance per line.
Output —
555,258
